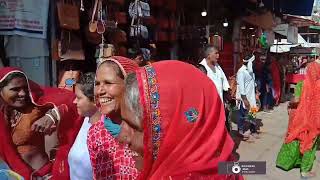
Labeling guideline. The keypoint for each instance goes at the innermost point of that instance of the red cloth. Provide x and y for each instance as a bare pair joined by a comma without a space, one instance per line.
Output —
294,78
304,125
109,159
275,73
40,96
126,65
176,146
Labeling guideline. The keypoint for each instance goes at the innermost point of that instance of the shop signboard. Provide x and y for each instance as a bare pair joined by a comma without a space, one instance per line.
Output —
302,50
24,17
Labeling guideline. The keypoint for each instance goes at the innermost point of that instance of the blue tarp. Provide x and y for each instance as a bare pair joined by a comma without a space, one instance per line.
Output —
293,7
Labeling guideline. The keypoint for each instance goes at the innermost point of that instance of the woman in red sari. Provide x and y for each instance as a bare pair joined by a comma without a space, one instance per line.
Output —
109,158
28,113
179,122
304,126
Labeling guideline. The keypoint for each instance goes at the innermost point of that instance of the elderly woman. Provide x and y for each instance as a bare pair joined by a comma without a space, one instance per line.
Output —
110,160
79,159
179,126
28,113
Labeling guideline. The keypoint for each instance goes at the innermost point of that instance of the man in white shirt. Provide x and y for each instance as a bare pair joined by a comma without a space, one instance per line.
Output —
246,95
214,71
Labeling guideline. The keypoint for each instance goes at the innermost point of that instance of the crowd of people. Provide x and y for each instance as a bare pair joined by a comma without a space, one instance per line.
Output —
122,122
149,122
259,88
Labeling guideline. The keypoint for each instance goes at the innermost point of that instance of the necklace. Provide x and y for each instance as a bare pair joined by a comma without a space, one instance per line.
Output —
15,118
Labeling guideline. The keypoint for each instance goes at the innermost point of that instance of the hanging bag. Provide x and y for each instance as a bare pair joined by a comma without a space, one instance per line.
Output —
139,9
93,23
68,15
138,30
70,47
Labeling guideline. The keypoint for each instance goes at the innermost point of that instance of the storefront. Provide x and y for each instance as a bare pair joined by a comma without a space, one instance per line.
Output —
67,36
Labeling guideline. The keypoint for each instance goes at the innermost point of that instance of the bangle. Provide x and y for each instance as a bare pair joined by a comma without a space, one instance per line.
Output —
57,113
51,117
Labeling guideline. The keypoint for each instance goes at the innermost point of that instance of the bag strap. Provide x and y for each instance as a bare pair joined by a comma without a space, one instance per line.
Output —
94,10
132,21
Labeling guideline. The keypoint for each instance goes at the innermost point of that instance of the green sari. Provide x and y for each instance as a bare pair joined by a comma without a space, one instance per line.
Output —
289,157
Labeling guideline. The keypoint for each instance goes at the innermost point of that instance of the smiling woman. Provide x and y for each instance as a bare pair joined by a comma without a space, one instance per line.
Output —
14,90
109,158
28,113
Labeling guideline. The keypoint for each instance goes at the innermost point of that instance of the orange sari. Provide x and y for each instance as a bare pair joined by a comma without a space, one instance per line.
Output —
305,124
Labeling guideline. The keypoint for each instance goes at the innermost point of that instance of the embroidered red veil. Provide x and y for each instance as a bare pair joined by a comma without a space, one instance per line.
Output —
40,96
184,123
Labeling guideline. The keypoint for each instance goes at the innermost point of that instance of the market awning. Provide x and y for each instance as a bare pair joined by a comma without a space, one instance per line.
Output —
300,21
282,47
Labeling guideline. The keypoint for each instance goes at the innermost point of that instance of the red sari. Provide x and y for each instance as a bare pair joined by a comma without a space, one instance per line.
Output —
304,125
41,96
184,123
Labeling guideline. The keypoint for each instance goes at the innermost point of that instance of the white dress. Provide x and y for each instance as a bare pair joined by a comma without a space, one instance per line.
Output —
78,158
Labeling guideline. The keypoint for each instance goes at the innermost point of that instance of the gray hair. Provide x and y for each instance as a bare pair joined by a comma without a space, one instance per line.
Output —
132,96
208,49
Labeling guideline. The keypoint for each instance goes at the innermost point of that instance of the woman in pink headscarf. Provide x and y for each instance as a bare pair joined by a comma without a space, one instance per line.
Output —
109,159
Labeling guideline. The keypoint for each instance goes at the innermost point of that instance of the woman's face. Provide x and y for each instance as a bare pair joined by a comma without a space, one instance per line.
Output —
16,93
131,127
85,107
109,88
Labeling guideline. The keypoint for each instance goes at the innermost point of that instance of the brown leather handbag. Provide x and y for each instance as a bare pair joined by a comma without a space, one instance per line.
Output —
68,14
92,37
70,47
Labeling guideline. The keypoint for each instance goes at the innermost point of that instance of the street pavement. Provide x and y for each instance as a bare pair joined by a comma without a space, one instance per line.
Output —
273,129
